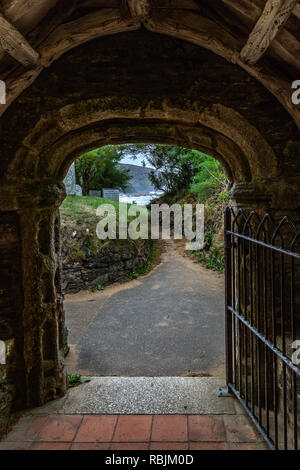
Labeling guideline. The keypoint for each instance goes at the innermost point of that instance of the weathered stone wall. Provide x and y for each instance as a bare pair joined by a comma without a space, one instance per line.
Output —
11,334
10,274
30,321
110,266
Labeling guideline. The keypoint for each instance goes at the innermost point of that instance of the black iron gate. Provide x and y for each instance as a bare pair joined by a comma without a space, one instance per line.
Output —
263,322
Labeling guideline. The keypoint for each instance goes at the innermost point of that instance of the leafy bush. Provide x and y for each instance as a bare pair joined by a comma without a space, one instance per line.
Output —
178,168
209,176
75,379
187,177
99,169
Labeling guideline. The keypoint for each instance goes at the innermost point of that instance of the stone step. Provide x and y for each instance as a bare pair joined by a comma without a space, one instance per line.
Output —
146,395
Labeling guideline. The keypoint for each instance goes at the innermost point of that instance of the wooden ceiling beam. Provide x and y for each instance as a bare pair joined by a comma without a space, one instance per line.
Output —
274,16
14,43
139,8
86,28
16,9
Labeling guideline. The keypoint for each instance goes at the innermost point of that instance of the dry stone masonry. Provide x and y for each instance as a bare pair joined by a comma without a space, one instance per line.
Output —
110,266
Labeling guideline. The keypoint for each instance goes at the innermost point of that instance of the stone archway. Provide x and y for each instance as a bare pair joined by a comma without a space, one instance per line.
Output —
235,114
221,131
145,99
222,29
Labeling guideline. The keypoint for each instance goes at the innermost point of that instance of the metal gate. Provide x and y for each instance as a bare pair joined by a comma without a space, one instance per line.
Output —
263,322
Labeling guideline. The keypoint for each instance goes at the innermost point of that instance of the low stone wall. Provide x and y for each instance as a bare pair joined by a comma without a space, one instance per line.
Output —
113,264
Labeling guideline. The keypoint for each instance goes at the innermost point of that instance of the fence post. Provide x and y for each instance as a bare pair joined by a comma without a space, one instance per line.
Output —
228,295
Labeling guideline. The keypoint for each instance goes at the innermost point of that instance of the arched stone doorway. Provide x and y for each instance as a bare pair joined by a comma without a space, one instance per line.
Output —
136,86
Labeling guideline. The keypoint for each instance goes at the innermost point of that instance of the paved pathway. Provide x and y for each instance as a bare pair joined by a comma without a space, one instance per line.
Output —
113,413
168,323
143,432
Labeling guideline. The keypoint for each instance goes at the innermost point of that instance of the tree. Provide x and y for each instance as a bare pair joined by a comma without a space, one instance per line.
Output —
172,171
177,168
209,176
99,169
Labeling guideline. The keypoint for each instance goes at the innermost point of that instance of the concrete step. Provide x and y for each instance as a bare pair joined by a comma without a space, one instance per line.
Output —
146,395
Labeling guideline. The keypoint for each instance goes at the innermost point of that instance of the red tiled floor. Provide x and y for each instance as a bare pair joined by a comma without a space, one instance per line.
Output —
90,446
160,432
50,446
206,428
27,429
15,445
169,428
248,446
240,429
130,446
60,428
133,429
96,429
169,446
209,446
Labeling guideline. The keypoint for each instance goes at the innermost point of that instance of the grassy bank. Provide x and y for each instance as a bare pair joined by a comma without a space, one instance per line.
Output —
82,209
79,222
212,256
84,253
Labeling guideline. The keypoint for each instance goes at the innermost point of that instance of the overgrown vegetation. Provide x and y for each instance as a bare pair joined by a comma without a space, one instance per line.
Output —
212,256
79,222
152,260
83,208
99,169
75,379
179,169
191,177
186,176
92,263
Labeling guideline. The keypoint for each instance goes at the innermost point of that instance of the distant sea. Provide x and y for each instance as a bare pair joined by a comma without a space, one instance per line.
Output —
140,199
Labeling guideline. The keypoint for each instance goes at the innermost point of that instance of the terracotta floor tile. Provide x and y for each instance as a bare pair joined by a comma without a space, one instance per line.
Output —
130,446
50,446
96,429
15,445
133,429
209,446
60,428
208,428
128,432
248,446
27,429
90,446
169,428
169,446
240,429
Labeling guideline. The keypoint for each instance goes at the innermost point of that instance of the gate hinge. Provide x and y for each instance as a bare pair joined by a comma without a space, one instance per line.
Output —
224,392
